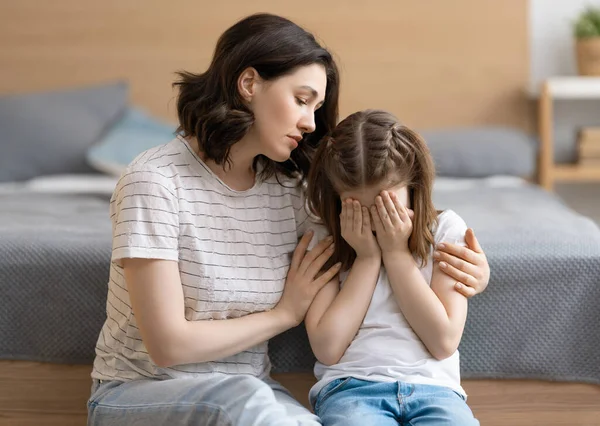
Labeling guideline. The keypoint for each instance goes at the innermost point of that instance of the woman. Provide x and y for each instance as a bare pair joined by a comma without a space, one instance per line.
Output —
203,229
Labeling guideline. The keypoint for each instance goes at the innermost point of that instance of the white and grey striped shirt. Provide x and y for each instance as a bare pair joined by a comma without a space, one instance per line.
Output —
233,248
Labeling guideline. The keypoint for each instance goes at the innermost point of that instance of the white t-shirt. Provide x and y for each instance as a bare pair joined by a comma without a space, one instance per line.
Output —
386,349
233,249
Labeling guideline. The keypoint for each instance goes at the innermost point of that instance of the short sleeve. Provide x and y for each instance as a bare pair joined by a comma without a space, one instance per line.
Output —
145,215
451,229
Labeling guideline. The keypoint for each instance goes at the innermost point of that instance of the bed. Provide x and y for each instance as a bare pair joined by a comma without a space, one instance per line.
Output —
538,318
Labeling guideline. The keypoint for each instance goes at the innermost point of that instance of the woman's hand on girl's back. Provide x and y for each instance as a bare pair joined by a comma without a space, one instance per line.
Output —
355,224
303,279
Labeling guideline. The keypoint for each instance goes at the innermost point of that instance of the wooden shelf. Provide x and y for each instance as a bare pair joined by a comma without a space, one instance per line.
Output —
574,87
553,89
570,87
575,172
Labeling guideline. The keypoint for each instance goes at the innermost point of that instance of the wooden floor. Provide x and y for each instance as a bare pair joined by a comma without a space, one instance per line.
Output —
55,395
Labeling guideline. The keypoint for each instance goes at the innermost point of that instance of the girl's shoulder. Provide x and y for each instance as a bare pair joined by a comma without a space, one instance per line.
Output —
450,228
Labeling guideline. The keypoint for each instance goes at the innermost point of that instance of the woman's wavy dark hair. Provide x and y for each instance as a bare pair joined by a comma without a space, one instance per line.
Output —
211,109
365,149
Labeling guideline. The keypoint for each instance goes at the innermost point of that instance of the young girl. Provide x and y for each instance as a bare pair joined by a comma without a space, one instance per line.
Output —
385,335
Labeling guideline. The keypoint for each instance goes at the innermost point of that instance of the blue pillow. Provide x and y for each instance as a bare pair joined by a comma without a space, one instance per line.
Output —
133,134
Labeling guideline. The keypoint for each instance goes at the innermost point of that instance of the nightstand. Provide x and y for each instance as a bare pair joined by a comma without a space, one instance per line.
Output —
553,89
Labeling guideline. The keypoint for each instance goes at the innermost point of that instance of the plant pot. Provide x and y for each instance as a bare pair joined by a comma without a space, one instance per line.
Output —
588,56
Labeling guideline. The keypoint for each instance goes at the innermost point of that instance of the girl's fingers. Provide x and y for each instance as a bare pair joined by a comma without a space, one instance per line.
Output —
357,214
366,221
377,220
389,205
349,215
383,214
402,210
343,218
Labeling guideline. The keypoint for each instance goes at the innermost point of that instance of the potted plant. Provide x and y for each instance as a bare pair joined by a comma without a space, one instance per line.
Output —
587,33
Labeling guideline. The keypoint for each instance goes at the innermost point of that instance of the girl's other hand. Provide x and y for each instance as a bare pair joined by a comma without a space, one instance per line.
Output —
393,224
355,224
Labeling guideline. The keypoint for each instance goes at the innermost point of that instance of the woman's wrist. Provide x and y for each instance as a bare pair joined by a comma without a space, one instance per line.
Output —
283,318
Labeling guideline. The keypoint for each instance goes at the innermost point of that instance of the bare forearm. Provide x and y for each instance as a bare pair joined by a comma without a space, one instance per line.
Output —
202,341
420,305
341,321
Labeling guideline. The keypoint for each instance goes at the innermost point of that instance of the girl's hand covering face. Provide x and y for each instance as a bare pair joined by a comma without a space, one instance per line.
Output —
355,225
393,224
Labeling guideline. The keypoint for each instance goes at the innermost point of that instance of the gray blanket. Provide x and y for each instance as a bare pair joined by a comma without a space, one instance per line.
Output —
54,263
539,317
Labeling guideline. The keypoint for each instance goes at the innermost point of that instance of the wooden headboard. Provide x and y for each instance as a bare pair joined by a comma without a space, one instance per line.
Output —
433,63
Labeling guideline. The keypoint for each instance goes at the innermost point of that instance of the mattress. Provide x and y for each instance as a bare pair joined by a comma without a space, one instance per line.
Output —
539,317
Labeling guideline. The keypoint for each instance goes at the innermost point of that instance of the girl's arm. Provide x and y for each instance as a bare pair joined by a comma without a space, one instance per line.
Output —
335,315
438,313
157,300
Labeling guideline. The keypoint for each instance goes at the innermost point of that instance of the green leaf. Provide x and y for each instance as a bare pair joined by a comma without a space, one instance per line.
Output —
588,23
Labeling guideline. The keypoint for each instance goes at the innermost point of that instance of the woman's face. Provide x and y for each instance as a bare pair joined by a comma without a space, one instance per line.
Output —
284,110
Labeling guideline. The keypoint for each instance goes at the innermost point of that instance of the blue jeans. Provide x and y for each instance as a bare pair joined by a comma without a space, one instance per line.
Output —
217,400
353,402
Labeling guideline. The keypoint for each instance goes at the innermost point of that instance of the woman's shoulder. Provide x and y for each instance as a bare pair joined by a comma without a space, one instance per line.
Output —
150,169
161,156
161,163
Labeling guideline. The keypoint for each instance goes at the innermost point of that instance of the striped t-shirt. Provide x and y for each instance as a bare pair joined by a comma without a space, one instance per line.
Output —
233,249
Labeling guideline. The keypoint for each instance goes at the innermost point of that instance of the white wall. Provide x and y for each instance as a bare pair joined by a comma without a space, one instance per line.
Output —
551,41
552,53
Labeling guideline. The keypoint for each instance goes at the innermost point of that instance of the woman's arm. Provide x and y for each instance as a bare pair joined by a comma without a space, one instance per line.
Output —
467,266
157,300
438,313
336,315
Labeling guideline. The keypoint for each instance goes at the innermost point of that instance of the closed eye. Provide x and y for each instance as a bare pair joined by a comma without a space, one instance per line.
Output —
301,101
